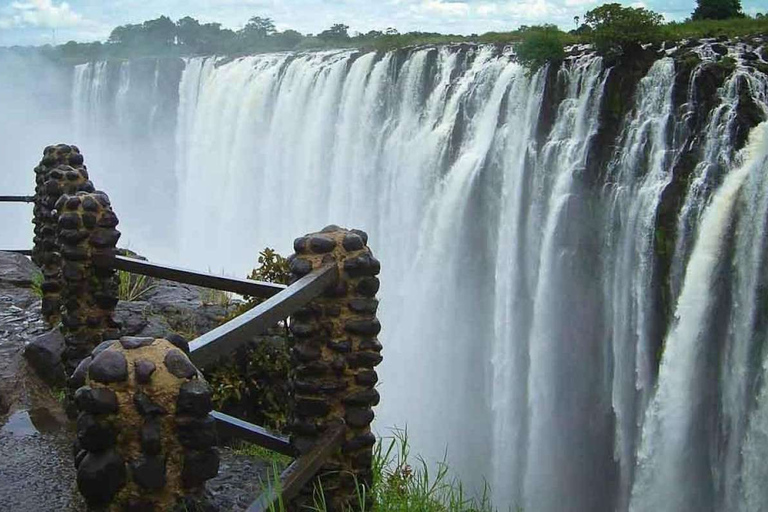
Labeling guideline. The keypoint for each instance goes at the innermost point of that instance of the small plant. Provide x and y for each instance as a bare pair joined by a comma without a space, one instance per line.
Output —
258,452
227,385
37,285
133,286
272,268
210,297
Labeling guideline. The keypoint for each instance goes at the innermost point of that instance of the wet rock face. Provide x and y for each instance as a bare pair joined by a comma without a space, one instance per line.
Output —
44,355
145,437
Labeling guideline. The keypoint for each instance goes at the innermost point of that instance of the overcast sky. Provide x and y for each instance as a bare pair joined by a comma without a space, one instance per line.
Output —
26,22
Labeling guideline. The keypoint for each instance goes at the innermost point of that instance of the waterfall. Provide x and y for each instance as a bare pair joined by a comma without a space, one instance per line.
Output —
524,337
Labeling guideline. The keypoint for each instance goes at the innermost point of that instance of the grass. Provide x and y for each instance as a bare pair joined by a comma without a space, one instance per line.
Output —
210,297
276,460
404,483
133,286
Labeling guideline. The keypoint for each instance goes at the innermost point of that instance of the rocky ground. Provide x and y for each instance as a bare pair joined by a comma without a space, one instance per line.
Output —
36,467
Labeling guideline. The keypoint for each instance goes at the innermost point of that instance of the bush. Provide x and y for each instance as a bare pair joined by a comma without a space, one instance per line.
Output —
540,44
612,27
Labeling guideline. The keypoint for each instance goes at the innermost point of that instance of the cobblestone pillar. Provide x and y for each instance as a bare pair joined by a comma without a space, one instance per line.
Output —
335,354
86,228
61,171
145,440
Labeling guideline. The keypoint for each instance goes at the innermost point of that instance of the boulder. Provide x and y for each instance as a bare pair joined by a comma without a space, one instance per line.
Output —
44,355
17,270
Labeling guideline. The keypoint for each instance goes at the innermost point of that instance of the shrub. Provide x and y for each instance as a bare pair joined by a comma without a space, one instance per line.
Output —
540,44
616,28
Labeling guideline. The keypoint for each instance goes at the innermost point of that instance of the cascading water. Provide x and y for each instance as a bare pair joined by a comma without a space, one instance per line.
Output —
520,286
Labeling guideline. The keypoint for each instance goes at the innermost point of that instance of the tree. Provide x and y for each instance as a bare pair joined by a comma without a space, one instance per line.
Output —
337,32
540,44
160,32
613,27
717,10
258,28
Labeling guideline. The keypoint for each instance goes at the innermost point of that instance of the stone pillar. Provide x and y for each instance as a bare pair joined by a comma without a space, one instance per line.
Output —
145,440
86,228
61,171
336,350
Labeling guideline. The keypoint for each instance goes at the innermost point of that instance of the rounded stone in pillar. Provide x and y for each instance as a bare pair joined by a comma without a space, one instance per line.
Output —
156,449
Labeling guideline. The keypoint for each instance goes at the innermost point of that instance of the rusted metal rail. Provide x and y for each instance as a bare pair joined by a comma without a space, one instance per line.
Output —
17,199
299,473
180,275
225,339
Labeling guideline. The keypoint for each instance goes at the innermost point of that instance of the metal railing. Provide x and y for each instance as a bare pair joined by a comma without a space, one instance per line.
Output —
281,302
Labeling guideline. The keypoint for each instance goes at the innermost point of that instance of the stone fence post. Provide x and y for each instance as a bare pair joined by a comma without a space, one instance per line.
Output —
145,440
86,228
334,356
61,171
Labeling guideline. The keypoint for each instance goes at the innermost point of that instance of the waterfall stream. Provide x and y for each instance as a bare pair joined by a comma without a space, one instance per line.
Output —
525,339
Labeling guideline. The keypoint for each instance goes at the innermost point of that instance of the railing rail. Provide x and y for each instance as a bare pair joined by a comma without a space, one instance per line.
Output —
229,284
225,339
17,199
235,427
299,473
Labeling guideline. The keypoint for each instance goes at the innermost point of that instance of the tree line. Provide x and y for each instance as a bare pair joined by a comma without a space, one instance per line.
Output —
610,27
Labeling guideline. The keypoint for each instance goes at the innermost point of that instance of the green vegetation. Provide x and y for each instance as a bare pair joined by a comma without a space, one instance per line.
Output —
37,285
257,452
401,484
133,286
541,44
612,27
717,10
255,385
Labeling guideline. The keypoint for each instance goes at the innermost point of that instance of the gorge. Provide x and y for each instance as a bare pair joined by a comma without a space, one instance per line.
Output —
574,278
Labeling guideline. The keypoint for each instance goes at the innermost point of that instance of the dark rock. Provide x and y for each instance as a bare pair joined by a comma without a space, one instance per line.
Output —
134,342
151,436
750,56
199,466
321,244
93,435
306,353
301,267
362,265
362,441
308,406
366,397
194,398
302,329
136,505
146,406
363,305
353,242
179,342
343,346
367,378
143,370
358,417
197,433
364,327
100,477
109,366
17,270
96,400
44,355
361,234
300,245
719,49
79,458
101,347
363,359
368,286
370,344
132,317
179,365
149,472
330,228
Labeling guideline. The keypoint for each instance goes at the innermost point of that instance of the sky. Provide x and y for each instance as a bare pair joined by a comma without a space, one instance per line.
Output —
35,22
